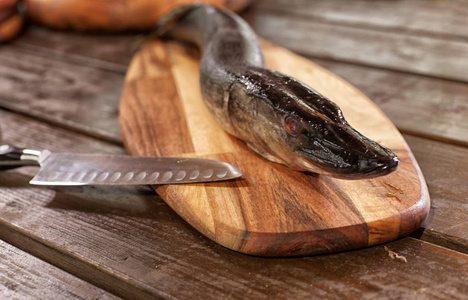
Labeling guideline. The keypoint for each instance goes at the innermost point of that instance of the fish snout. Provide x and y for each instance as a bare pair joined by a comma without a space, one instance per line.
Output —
374,168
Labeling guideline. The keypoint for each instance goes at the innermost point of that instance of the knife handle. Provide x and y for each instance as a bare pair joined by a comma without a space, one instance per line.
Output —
13,157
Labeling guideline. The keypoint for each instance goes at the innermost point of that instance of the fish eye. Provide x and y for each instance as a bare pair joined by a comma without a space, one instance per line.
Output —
293,125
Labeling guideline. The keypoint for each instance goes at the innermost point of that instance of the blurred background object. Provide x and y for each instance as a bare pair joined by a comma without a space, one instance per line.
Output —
93,16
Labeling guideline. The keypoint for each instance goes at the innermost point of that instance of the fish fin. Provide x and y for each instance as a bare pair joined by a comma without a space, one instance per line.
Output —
264,154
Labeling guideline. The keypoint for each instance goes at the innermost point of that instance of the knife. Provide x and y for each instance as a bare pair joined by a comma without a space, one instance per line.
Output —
92,169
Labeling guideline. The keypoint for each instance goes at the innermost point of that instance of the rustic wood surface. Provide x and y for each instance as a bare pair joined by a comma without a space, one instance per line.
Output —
271,210
24,276
131,244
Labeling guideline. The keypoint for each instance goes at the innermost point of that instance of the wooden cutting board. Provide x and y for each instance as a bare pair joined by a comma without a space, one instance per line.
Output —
272,210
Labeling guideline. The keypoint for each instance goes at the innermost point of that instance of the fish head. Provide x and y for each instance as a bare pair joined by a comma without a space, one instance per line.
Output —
312,135
330,147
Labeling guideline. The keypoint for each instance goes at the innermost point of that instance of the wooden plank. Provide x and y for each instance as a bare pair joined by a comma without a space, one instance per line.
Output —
426,55
420,105
129,242
442,239
74,96
445,168
23,132
106,51
23,276
446,18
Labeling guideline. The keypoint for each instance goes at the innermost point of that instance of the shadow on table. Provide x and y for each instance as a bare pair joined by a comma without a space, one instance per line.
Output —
141,201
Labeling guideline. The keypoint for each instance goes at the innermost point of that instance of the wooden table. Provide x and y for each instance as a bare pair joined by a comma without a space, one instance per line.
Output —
60,91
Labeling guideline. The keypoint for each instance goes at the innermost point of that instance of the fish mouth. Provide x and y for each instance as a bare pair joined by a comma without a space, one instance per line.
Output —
339,168
382,168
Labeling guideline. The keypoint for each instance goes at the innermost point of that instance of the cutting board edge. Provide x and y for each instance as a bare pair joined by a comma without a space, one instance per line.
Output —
304,243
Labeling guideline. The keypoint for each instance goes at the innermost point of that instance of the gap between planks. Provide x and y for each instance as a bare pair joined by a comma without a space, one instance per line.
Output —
434,137
71,58
441,239
25,276
439,87
76,265
369,65
71,126
359,25
416,54
313,57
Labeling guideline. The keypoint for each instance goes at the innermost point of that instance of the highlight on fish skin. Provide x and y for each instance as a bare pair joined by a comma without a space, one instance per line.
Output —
279,117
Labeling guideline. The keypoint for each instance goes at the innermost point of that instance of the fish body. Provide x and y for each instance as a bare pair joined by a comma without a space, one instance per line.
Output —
279,117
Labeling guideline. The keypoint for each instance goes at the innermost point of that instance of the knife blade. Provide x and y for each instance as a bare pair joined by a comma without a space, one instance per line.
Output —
71,169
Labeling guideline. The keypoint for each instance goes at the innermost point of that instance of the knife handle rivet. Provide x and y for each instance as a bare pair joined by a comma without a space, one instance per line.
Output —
180,175
166,176
207,173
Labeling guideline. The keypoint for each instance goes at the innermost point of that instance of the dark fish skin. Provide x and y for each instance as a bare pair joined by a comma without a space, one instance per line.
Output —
279,117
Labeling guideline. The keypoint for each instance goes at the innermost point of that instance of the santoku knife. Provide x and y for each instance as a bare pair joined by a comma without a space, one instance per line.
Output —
92,169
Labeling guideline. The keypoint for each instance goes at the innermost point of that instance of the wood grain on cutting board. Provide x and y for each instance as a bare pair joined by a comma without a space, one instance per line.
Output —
272,210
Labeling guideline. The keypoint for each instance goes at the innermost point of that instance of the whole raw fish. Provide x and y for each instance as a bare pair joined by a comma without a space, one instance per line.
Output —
279,117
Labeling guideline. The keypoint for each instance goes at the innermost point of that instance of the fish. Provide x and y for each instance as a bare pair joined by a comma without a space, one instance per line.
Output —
279,117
